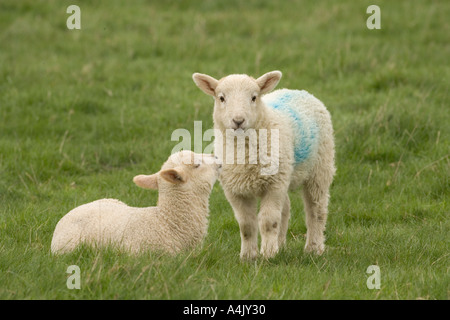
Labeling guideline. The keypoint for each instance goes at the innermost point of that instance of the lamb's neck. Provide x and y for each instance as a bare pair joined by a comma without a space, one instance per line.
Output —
186,215
180,204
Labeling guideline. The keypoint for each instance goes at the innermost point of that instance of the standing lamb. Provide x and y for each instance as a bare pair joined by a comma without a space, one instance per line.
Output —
177,223
305,146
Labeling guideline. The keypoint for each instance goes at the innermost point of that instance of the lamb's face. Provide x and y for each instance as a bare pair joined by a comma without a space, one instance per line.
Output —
237,98
185,170
194,169
236,102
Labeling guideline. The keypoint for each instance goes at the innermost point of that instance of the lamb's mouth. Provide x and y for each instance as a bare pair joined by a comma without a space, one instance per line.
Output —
239,131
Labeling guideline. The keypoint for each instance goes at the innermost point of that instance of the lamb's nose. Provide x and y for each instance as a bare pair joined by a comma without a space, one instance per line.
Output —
238,121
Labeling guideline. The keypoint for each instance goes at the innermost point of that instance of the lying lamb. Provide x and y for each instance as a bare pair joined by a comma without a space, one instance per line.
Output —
306,157
178,222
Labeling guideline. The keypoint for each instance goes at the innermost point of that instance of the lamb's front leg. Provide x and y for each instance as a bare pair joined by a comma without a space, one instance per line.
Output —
245,210
270,221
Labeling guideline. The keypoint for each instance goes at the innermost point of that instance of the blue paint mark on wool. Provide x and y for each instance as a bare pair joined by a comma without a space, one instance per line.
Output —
306,129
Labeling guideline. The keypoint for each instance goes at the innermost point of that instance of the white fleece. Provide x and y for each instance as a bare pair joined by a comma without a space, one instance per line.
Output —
306,158
177,223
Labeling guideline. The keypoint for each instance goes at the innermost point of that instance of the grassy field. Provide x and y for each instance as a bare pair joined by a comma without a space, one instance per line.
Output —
83,111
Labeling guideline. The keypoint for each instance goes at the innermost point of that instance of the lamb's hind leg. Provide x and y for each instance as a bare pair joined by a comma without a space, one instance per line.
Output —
316,210
285,215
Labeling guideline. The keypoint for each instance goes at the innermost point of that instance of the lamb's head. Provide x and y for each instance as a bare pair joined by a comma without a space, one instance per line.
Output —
237,97
184,170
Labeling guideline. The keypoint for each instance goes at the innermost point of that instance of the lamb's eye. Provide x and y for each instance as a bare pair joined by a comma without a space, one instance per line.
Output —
253,98
197,165
222,99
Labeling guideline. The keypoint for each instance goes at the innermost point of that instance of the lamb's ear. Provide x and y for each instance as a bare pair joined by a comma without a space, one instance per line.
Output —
206,83
147,182
173,175
267,82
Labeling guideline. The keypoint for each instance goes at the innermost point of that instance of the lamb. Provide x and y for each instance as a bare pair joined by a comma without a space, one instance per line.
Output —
178,222
306,158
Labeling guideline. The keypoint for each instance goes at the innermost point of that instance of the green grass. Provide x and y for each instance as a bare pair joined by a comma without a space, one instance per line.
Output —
83,111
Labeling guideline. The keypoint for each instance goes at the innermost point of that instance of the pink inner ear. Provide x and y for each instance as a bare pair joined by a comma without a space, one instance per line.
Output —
207,83
268,81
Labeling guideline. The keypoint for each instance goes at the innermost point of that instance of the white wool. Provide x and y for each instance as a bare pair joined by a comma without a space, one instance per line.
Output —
178,222
306,158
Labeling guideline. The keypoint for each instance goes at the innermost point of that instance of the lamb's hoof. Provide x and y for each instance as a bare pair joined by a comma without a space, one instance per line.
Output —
315,248
281,242
249,255
269,251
